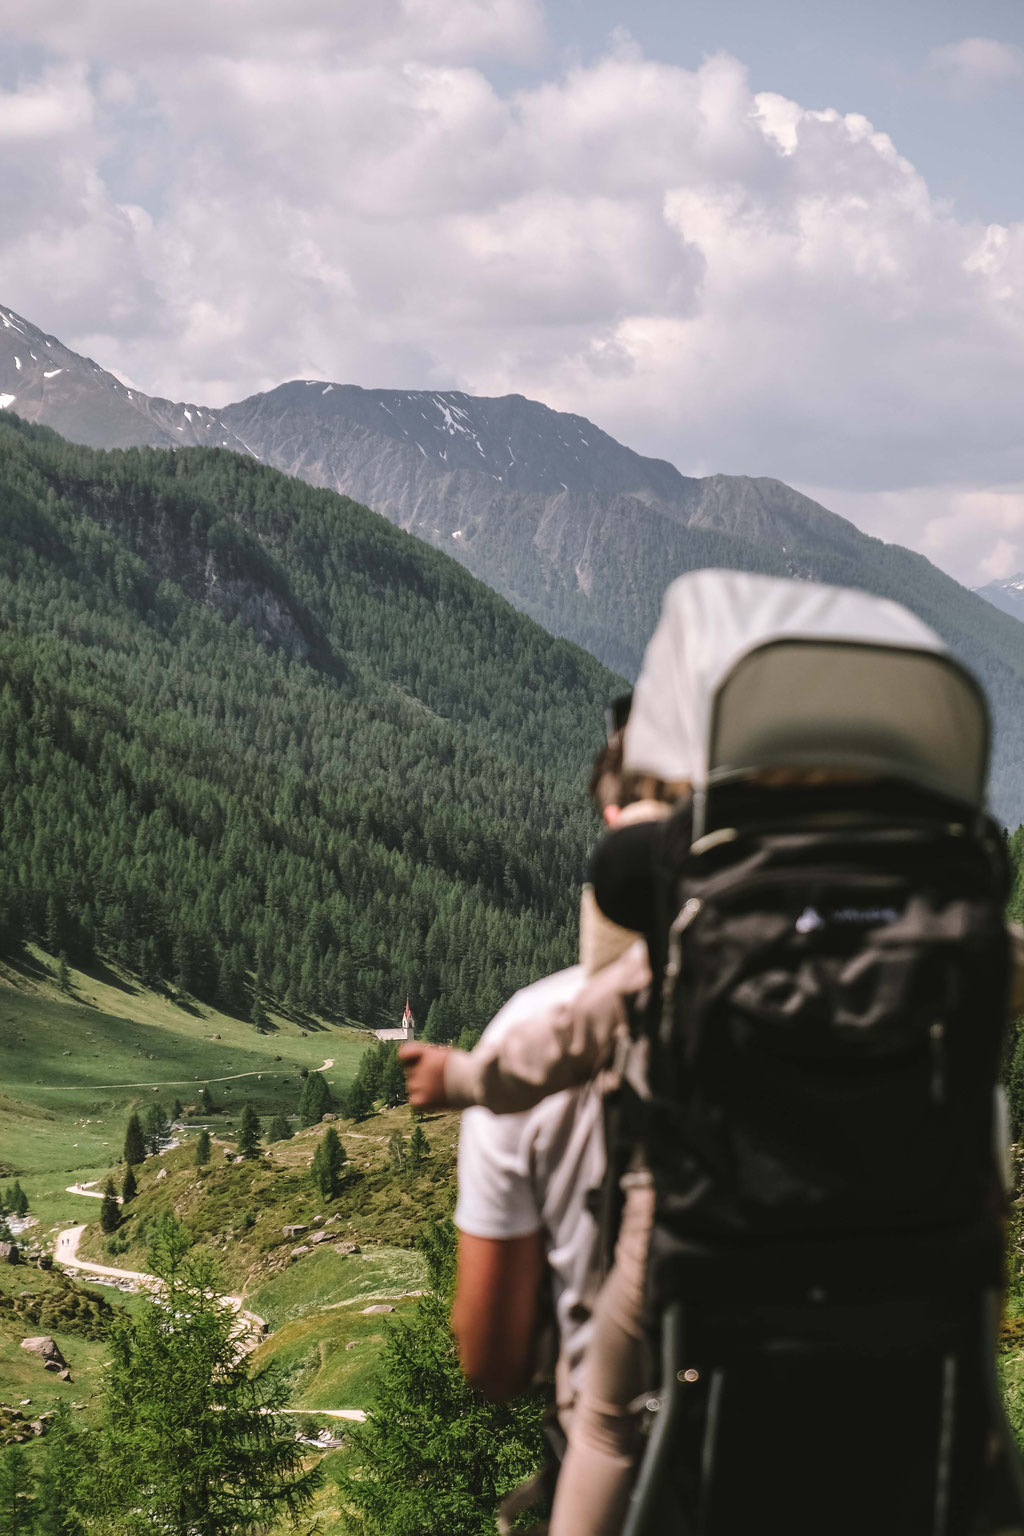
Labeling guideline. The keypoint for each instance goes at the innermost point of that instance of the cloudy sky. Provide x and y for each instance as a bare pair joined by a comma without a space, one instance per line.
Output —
780,239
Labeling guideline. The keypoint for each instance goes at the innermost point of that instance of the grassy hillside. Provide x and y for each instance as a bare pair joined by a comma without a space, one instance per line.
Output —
74,1067
62,1121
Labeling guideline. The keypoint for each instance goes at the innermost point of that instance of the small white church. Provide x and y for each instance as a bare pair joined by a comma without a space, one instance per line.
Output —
405,1031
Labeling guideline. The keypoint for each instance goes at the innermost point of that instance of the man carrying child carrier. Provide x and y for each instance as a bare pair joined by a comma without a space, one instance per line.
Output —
815,1135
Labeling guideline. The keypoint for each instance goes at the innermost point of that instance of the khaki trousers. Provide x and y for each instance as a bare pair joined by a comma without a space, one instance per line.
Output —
596,1479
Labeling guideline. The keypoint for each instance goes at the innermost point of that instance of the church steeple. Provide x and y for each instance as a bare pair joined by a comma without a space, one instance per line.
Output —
405,1031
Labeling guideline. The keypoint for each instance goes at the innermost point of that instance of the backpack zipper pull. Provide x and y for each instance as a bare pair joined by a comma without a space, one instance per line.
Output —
684,918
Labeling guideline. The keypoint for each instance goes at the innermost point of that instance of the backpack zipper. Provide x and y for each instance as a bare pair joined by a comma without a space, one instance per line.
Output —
683,919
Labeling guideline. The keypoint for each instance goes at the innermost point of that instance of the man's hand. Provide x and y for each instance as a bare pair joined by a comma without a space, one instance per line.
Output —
424,1073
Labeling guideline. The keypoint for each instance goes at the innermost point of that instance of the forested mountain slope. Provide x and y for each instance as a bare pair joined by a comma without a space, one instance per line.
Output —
256,741
575,529
584,534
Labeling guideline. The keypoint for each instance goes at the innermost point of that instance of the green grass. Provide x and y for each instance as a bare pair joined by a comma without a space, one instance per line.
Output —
326,1279
329,1359
21,1373
60,1122
239,1210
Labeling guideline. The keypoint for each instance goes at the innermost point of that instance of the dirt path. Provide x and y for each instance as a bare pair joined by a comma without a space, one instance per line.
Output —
88,1191
357,1415
252,1329
171,1082
65,1251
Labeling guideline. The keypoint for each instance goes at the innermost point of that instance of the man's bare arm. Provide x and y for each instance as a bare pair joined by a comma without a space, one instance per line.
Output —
496,1311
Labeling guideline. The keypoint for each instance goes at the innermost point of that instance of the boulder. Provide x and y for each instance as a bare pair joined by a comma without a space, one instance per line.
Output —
380,1306
8,1253
345,1248
328,1117
295,1230
46,1348
161,1175
302,1248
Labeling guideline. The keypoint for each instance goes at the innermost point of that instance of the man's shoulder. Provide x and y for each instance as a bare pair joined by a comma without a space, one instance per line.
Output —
528,1001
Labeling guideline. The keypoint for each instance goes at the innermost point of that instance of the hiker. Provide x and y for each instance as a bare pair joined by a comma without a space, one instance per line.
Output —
525,1180
710,621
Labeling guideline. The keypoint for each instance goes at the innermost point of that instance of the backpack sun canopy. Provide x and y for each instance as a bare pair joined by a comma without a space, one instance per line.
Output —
750,673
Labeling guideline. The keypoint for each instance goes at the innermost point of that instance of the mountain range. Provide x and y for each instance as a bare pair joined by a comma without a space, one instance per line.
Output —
1007,594
574,528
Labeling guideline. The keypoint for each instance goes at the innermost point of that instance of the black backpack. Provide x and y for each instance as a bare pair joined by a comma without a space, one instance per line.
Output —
824,1033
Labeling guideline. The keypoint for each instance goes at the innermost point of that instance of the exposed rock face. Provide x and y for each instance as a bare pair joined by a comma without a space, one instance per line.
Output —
45,381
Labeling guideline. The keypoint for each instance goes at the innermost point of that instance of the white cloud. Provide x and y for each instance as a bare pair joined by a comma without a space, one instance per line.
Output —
124,31
718,277
976,64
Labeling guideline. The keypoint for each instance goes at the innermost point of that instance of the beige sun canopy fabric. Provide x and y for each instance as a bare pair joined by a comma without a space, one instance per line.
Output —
751,672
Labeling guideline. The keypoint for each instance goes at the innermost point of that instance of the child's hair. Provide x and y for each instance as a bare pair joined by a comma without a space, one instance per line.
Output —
609,785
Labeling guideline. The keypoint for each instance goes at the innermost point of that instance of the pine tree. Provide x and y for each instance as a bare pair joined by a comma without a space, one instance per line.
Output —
1015,1089
178,1110
280,1130
202,1148
258,1015
110,1211
206,1102
63,1477
315,1101
192,1442
19,1200
357,1101
406,1476
63,973
419,1147
134,1142
17,1504
328,1161
155,1127
392,1080
249,1133
130,1187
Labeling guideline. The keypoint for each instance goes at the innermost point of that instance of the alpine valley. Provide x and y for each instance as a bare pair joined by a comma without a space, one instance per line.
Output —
574,529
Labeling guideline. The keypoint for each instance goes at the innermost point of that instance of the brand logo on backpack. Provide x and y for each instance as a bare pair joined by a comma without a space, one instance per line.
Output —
810,919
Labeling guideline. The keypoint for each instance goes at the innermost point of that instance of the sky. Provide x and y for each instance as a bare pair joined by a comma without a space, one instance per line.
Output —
781,240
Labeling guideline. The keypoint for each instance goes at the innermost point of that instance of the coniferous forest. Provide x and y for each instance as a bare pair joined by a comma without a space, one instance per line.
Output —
259,746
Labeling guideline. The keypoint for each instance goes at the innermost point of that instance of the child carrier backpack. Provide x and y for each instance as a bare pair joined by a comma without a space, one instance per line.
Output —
824,1032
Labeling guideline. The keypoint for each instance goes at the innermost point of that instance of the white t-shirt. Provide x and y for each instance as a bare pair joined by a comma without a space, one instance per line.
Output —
531,1172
